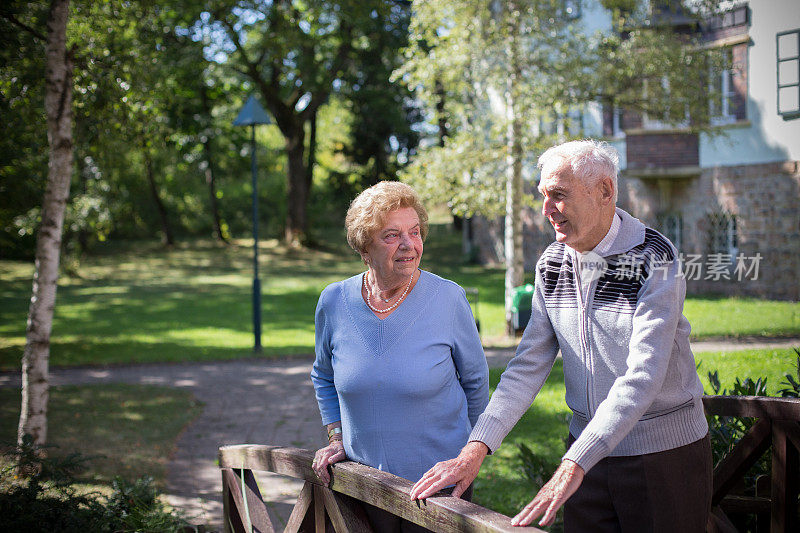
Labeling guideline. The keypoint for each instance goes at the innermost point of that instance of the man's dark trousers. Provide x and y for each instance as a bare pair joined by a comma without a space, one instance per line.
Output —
668,491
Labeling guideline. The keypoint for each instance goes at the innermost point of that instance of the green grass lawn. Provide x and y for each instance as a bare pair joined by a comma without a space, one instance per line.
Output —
125,430
770,364
137,302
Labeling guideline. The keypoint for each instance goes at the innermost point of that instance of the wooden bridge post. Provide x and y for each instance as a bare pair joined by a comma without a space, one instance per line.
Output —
245,511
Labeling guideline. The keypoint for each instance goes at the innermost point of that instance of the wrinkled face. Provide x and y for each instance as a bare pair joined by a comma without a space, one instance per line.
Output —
395,250
577,212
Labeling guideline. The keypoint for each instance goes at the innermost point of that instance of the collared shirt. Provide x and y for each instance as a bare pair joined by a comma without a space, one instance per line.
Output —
594,259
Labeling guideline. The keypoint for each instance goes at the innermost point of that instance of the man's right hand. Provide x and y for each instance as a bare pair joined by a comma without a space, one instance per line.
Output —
460,472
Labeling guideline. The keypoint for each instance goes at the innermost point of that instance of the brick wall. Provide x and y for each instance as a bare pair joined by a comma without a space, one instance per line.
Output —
765,199
662,150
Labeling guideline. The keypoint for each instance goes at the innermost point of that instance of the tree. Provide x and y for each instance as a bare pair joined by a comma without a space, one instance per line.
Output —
516,77
58,106
384,111
295,55
22,171
498,69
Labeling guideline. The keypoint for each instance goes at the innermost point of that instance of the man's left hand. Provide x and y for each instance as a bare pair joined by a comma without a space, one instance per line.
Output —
565,481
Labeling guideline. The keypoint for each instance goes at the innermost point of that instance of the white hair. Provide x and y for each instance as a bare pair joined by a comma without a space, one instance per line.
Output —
589,160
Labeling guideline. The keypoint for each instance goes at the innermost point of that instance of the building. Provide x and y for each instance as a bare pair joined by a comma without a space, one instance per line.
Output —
729,201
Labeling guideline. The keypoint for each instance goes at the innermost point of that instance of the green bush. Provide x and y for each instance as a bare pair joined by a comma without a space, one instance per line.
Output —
38,494
727,431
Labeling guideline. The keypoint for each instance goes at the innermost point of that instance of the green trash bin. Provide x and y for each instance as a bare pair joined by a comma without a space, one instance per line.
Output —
522,299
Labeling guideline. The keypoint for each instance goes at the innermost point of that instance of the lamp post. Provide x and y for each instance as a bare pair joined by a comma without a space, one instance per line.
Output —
251,115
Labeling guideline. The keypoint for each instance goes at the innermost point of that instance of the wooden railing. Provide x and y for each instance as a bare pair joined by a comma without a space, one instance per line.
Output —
777,425
319,508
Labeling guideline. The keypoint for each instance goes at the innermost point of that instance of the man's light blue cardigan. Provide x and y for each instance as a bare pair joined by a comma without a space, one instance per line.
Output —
408,388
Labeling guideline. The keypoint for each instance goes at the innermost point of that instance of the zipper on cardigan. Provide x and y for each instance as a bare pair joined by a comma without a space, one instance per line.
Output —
583,329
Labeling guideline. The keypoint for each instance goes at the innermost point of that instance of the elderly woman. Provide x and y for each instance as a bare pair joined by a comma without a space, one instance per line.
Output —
400,374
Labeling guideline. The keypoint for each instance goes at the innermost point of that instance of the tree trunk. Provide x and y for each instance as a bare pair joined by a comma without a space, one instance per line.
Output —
58,107
209,170
212,192
169,237
312,151
513,224
83,234
297,193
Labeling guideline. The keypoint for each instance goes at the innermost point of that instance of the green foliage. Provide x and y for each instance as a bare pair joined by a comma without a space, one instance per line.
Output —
539,470
727,431
156,89
460,63
136,506
792,383
460,60
39,495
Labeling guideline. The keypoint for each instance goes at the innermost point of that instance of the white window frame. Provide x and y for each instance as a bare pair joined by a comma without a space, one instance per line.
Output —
721,106
661,123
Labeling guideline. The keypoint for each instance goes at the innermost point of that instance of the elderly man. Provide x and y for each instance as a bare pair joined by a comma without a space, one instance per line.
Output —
609,295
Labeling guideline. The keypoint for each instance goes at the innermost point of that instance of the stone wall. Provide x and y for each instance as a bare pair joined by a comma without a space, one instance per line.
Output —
765,199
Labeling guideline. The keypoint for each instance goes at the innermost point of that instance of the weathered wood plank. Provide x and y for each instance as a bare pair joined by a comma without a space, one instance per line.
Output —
343,515
753,406
744,455
319,510
300,509
784,481
235,519
793,433
227,505
719,522
259,518
442,514
745,504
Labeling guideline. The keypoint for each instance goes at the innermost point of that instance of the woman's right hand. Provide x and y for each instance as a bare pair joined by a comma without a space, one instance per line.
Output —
324,457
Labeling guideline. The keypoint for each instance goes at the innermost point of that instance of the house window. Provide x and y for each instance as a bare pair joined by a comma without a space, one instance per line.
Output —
659,90
788,48
616,122
722,235
670,224
722,89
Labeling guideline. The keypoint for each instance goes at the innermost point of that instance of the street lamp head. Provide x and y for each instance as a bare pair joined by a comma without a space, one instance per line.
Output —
252,114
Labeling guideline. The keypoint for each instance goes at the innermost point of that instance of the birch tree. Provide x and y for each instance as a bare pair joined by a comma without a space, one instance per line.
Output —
509,70
58,107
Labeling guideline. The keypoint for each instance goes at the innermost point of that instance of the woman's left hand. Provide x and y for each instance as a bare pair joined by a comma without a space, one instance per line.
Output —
330,454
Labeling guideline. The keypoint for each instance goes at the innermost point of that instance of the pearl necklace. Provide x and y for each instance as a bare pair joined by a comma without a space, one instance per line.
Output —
369,295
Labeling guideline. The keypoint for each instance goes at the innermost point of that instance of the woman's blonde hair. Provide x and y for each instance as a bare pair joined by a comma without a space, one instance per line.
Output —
367,213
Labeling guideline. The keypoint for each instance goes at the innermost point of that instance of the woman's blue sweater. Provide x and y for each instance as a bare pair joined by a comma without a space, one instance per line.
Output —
407,388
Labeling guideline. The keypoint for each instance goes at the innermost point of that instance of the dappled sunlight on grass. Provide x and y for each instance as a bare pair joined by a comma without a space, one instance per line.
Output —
138,302
185,304
126,430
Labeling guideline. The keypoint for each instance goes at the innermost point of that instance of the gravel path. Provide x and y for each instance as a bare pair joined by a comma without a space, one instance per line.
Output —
251,401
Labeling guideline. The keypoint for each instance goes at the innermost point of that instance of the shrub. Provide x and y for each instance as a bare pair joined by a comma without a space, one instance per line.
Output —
37,494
